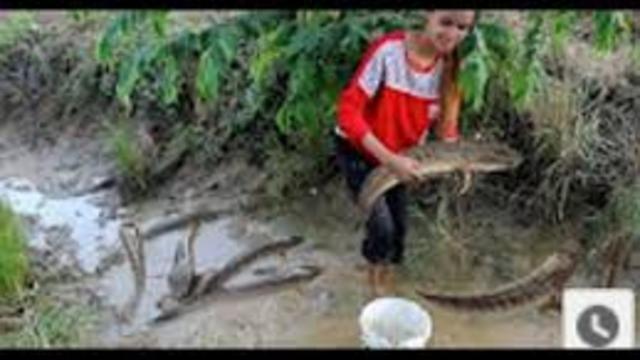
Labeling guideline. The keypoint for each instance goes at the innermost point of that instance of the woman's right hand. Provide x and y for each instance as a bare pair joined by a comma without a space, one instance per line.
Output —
406,168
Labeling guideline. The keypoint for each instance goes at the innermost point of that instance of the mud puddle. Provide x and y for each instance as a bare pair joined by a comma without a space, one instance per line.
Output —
324,313
76,227
334,303
214,245
334,324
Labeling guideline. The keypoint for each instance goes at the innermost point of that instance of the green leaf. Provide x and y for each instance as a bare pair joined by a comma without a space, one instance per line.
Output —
129,73
159,22
208,77
469,44
561,27
608,26
498,39
526,82
283,119
106,42
14,263
186,44
473,79
303,80
269,51
227,42
169,83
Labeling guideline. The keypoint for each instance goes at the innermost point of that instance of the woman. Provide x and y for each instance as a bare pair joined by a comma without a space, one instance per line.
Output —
405,83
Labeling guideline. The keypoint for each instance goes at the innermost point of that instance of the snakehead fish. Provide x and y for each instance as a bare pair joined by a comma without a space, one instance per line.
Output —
438,159
210,285
542,283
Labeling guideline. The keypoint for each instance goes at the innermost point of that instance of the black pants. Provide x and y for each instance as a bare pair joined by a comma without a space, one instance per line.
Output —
386,226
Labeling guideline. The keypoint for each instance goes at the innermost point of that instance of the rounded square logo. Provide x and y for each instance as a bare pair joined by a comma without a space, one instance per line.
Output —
598,318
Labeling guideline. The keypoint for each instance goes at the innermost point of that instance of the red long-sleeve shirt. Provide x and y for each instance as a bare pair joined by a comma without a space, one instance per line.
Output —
390,98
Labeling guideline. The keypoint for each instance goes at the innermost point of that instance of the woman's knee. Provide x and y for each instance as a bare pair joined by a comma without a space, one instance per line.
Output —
380,224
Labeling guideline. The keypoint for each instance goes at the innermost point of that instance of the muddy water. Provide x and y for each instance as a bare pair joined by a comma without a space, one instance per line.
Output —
339,328
327,312
321,315
91,233
450,331
214,245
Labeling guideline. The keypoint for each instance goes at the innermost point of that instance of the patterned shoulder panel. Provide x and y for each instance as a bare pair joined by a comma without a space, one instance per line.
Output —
387,66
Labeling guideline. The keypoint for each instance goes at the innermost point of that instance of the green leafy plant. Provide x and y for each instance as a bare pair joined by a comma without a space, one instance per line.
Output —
609,26
14,266
495,51
280,73
130,158
15,27
313,51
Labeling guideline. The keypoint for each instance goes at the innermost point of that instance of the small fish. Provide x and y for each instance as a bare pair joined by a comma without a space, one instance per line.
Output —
182,273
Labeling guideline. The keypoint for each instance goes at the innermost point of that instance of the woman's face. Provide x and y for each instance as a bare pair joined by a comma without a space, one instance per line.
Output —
448,28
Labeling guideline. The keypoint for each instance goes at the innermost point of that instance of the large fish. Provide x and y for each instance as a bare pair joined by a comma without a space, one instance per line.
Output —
439,159
541,284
